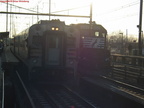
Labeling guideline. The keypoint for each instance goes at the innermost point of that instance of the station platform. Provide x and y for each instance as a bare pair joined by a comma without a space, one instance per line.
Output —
7,63
7,56
113,86
8,60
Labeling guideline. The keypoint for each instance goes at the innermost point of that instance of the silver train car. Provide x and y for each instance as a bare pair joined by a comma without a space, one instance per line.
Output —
42,48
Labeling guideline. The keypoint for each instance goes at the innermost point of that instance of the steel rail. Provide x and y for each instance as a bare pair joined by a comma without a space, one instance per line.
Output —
27,93
123,83
2,89
70,93
76,94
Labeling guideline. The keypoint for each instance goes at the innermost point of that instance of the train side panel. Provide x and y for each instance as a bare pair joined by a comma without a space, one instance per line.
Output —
93,61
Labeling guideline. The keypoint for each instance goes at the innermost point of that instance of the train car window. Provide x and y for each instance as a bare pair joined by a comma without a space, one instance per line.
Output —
96,33
37,40
54,43
103,34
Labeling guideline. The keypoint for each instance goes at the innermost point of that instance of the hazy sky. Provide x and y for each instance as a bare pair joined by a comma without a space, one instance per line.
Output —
114,15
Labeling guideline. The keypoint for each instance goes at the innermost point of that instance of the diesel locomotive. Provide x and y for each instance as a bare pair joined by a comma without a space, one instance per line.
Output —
50,49
93,56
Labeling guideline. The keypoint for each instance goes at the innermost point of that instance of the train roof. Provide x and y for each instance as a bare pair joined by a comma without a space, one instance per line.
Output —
87,25
50,21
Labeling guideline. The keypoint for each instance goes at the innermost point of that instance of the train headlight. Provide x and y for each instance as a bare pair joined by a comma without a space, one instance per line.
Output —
53,28
57,29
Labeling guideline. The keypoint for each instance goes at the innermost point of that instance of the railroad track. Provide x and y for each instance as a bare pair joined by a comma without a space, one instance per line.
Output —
57,96
133,92
128,73
51,95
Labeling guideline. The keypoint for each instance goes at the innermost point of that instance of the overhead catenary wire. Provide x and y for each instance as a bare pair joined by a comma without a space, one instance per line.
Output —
110,13
70,9
20,7
98,15
30,9
119,8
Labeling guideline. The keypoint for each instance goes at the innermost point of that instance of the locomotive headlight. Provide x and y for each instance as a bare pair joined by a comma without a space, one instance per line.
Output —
53,28
56,28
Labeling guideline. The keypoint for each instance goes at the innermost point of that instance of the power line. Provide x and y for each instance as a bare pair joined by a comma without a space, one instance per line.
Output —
121,17
41,13
70,9
44,14
19,7
119,8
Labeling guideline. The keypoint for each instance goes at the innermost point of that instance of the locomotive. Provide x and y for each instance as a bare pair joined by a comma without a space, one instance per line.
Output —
50,49
93,57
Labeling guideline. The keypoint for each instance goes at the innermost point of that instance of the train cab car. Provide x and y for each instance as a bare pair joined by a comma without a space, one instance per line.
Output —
41,48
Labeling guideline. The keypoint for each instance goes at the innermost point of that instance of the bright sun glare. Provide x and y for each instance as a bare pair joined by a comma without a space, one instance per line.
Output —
112,14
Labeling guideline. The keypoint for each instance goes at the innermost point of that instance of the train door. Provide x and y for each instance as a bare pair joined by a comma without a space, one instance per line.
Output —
54,49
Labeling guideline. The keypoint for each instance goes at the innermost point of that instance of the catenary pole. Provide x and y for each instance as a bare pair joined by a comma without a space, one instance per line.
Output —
140,28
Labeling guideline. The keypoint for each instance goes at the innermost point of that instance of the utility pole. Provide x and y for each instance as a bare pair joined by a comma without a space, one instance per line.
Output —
6,20
49,9
122,43
126,35
140,28
7,17
37,13
91,15
90,28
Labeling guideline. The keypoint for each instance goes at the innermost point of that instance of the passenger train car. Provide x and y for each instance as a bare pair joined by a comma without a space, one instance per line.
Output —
50,49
